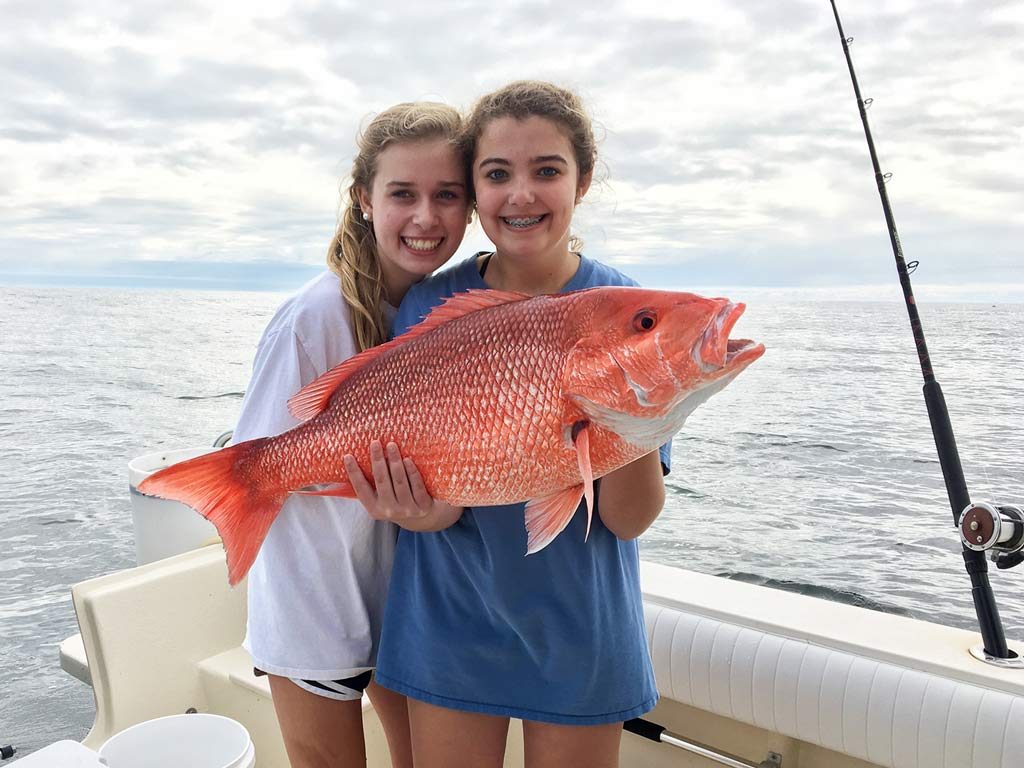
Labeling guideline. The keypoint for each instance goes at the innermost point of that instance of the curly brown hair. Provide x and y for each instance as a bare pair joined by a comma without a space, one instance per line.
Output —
534,98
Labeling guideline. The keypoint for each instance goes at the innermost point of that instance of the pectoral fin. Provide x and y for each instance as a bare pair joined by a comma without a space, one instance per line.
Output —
547,517
581,439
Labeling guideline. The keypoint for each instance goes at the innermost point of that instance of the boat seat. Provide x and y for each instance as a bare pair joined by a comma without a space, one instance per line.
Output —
73,659
878,711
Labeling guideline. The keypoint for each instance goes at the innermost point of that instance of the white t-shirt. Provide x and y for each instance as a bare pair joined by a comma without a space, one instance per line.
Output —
318,586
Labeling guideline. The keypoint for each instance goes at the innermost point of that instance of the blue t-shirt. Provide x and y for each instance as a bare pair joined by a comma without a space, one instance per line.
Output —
473,624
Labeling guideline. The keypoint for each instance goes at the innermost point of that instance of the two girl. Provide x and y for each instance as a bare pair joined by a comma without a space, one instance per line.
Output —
474,632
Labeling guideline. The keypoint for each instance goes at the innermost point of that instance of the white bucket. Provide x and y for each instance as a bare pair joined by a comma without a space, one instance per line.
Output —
162,527
176,741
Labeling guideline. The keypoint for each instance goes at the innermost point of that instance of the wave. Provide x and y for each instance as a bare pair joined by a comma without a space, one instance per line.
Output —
210,397
817,590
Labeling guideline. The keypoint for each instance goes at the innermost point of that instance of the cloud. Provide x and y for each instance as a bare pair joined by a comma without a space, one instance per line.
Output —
732,146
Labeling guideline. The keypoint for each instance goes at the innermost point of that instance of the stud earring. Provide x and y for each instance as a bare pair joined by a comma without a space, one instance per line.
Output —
366,216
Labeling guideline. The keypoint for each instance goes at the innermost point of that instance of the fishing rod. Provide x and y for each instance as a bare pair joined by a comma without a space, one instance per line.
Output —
982,526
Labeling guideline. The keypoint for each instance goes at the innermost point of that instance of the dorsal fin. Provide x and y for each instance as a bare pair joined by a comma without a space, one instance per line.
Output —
313,398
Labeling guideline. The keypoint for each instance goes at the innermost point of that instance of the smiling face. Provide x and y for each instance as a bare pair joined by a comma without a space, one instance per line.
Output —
527,185
418,205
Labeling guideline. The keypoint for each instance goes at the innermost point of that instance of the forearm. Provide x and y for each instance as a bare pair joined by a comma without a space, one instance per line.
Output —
631,498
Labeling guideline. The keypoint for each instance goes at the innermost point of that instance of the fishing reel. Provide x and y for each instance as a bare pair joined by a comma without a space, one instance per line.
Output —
985,526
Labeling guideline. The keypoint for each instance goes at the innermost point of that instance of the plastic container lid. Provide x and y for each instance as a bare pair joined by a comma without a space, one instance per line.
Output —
196,741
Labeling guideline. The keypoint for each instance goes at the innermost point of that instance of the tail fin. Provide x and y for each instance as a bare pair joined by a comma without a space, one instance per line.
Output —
214,486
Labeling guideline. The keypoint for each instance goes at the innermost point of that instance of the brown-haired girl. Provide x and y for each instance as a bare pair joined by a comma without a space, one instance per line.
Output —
316,591
475,633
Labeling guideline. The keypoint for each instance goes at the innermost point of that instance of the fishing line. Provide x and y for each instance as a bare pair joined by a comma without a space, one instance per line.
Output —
984,518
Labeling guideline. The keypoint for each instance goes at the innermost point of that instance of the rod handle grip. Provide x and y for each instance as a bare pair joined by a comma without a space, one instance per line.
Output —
644,728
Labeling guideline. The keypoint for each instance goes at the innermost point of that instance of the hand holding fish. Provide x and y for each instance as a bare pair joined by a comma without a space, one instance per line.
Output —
502,398
398,493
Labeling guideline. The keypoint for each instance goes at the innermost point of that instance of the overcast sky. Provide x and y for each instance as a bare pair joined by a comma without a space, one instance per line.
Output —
207,141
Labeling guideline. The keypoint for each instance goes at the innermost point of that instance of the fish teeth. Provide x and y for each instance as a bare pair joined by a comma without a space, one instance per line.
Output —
523,222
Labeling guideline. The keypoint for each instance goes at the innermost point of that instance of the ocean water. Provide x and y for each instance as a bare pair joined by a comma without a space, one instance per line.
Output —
814,471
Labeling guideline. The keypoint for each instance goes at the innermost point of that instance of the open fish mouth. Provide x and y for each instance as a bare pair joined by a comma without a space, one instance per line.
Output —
715,351
742,349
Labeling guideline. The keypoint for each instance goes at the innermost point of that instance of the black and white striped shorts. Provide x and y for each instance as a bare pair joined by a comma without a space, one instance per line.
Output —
348,689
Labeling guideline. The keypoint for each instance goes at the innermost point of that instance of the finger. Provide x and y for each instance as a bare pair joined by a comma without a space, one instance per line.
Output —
355,474
381,475
399,479
416,485
364,491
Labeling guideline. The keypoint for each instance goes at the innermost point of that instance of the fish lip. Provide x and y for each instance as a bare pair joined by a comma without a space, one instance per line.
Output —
742,351
715,351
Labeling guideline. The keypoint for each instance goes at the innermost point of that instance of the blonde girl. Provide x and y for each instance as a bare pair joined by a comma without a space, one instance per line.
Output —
316,591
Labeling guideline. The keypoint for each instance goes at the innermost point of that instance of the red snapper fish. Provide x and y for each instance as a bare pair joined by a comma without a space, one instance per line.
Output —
496,396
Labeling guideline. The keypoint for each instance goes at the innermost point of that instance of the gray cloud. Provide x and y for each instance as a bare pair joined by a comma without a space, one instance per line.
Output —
734,132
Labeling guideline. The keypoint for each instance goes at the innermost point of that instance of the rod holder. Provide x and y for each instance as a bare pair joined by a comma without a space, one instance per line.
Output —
655,732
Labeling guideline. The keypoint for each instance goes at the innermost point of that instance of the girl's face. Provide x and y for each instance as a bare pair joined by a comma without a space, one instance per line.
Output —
418,206
527,185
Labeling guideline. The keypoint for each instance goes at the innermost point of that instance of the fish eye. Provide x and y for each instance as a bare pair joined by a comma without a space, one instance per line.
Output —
644,320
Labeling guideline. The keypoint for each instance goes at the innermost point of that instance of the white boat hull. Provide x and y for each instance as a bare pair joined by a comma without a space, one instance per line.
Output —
744,669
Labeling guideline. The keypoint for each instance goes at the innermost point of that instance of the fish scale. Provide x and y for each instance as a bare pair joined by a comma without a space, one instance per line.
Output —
498,398
481,429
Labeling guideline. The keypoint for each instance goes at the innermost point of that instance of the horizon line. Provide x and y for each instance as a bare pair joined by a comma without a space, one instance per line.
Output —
865,292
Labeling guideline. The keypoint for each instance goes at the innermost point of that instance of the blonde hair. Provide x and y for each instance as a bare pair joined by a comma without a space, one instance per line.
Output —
523,99
352,254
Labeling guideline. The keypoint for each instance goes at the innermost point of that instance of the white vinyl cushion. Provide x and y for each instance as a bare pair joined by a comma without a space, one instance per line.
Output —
886,714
